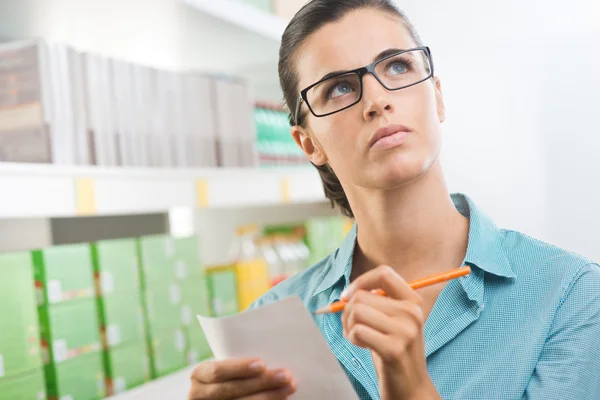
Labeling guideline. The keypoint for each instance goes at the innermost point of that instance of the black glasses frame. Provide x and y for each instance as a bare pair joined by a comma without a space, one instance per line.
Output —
361,72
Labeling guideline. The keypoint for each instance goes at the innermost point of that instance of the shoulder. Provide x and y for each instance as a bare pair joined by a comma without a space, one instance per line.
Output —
548,265
302,284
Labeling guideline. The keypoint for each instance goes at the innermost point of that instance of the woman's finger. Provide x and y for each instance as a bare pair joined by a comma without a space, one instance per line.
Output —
387,305
365,315
226,370
383,277
391,348
234,389
383,314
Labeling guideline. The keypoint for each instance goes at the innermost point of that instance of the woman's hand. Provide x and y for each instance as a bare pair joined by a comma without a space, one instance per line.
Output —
392,328
246,379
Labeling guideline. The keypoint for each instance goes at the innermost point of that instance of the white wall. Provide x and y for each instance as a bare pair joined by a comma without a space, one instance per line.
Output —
522,88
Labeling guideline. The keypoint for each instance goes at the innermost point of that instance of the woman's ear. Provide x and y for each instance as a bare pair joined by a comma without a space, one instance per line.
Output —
439,99
309,146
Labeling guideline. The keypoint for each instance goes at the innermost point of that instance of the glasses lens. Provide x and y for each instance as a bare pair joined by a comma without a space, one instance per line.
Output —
334,94
404,69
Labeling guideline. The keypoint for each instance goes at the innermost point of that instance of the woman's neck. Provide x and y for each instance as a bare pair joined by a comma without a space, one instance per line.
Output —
416,229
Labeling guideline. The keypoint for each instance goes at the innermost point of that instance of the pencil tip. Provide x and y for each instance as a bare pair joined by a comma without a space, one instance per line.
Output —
321,311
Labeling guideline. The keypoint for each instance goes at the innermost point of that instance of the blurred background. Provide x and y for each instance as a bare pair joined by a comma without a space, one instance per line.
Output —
147,173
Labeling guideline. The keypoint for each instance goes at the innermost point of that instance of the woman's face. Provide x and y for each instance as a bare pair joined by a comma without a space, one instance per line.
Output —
345,139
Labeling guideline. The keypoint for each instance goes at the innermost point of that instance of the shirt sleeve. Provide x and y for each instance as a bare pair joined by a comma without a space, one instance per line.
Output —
569,364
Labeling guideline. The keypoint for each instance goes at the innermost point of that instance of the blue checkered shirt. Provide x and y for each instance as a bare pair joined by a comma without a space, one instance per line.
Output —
525,324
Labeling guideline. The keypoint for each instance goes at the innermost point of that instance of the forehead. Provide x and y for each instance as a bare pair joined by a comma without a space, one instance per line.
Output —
349,43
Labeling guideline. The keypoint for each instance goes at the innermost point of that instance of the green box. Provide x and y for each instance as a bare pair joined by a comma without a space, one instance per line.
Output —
19,332
163,308
167,352
69,330
187,260
116,266
222,288
121,318
126,367
197,348
157,257
80,378
29,386
195,300
64,273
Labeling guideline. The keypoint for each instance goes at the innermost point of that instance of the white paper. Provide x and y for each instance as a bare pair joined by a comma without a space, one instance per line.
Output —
284,335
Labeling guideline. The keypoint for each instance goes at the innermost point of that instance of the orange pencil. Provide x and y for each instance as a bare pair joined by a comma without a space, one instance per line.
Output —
419,283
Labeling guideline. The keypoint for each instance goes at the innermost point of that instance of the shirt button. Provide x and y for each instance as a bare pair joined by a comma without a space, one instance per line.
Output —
356,363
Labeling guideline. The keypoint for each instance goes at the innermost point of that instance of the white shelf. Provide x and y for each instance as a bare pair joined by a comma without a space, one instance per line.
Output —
42,190
244,16
174,386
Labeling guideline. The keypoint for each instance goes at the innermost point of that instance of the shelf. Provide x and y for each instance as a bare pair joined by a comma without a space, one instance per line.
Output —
42,190
174,386
244,16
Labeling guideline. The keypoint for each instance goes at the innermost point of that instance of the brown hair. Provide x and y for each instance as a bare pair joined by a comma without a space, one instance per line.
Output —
311,17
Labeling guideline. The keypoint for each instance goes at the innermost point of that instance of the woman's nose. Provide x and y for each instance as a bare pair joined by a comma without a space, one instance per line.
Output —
376,98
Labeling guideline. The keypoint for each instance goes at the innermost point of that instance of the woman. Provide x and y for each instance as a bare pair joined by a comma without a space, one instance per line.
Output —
523,324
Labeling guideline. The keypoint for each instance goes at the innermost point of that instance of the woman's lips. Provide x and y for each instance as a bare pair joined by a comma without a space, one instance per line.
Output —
389,137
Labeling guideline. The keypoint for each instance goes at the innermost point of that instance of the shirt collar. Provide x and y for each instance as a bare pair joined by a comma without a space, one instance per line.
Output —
484,249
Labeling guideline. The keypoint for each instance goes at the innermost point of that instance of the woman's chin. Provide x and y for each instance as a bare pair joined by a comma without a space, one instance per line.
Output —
397,173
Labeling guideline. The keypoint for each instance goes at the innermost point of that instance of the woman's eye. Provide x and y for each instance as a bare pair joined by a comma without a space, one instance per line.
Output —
340,89
398,68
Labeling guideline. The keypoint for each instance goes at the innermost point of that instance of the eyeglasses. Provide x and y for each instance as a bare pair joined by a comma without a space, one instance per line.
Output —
342,90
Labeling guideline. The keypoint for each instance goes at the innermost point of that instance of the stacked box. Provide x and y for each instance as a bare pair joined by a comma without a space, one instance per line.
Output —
20,353
324,235
195,301
77,378
168,352
26,124
116,266
121,319
197,348
187,260
163,308
127,366
161,298
63,273
157,260
175,291
69,330
68,317
25,386
222,289
120,312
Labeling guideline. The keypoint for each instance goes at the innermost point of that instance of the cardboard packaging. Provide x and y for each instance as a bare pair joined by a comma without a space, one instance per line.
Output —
19,332
222,288
69,330
121,319
156,255
163,308
78,378
26,386
115,266
126,367
168,352
63,273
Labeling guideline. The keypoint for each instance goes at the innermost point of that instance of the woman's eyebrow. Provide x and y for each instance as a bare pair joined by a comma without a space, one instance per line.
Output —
384,54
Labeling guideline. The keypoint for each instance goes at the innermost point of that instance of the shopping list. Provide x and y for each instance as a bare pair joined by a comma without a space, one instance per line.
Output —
284,335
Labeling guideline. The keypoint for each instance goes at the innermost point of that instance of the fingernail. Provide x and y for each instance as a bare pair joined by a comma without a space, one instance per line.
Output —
257,366
290,389
281,376
347,292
